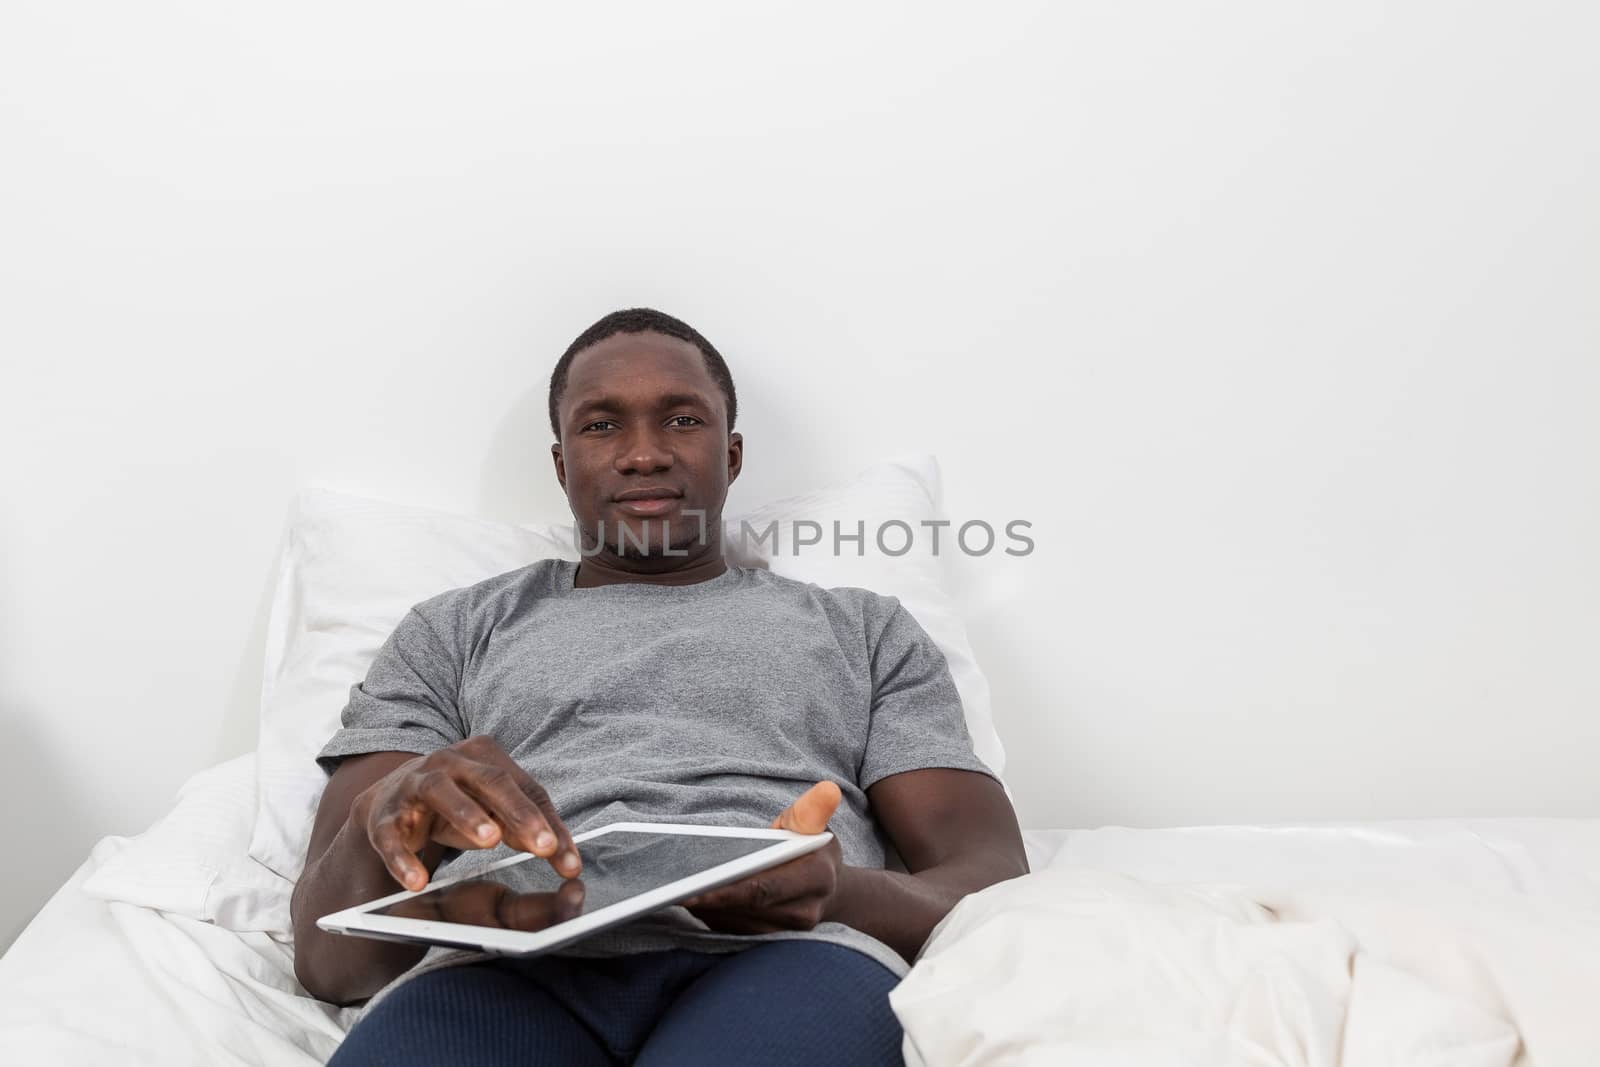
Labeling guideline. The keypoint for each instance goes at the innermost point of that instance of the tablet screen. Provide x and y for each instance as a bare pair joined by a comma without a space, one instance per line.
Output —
616,866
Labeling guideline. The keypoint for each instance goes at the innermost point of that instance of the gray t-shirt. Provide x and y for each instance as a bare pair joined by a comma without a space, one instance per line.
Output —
716,703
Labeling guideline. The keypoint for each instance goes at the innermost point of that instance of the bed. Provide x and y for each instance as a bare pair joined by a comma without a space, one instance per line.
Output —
96,979
1467,942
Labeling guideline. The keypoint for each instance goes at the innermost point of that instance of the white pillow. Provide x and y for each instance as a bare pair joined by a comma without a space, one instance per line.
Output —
193,861
352,568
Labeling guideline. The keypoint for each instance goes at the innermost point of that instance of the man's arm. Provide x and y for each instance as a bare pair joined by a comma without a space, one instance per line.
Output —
384,824
956,832
343,870
954,829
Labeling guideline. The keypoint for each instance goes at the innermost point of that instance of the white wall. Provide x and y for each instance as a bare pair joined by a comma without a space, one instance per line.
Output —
1278,322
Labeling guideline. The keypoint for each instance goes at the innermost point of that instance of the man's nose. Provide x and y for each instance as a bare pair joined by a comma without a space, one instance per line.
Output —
643,452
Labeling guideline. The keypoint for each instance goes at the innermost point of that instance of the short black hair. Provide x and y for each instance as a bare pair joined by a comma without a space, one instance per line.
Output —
641,320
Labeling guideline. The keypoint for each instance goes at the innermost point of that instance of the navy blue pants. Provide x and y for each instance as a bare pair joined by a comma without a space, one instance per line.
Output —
781,1002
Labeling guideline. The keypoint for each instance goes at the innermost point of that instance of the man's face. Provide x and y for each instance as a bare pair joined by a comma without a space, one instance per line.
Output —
645,445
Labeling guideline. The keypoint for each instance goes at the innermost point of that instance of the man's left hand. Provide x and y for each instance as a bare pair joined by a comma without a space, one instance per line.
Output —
792,896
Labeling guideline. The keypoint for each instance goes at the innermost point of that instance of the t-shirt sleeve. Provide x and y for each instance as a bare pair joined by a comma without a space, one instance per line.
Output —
917,719
407,702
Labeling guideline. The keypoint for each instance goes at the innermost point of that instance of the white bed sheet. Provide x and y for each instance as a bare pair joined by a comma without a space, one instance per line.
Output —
91,981
95,982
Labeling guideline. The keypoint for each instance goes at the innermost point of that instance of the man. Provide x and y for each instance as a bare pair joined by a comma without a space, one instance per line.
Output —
650,681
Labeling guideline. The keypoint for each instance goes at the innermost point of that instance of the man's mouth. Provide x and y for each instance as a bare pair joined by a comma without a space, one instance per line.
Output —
647,501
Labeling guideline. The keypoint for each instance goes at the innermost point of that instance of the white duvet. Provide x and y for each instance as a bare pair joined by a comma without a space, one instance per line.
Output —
1078,966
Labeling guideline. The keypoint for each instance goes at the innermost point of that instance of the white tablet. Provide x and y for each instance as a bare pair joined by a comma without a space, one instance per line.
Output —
520,906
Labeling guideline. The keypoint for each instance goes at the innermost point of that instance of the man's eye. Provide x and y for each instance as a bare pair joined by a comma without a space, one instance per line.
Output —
682,420
598,423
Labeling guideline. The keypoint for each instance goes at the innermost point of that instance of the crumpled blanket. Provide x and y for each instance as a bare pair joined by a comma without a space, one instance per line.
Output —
1077,966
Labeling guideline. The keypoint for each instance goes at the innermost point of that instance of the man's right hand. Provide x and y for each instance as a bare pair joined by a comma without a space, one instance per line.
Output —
468,795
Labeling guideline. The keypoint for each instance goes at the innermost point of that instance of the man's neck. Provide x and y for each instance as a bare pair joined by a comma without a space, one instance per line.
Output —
607,569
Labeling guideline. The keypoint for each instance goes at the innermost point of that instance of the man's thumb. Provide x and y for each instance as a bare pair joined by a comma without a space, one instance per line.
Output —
810,812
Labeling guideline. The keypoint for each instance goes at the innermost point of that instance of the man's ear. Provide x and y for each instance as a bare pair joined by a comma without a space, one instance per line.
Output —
735,456
561,465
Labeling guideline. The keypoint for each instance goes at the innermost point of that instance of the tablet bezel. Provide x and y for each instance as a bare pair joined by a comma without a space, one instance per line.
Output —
358,921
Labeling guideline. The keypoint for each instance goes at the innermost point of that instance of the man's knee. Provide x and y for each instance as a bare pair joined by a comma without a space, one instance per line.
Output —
783,1002
476,1013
